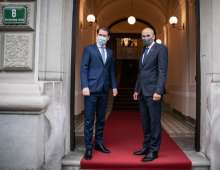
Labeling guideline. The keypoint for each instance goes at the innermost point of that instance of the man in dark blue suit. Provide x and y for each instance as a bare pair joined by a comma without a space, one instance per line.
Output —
149,89
97,74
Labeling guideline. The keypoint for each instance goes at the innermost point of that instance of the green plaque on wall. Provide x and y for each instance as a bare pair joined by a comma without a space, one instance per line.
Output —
14,15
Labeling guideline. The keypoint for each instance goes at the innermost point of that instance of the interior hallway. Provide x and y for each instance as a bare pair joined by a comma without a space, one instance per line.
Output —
182,131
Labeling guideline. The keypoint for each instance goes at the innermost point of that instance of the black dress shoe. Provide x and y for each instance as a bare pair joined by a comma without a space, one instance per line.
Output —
102,148
150,156
88,154
142,151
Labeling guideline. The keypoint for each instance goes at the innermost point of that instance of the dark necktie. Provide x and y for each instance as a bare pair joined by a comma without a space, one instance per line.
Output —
103,54
145,55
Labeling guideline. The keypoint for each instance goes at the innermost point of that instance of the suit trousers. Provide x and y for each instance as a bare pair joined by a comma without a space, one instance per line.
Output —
95,106
150,112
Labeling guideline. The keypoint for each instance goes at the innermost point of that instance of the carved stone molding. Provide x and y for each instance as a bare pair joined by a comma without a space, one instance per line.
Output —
18,51
18,98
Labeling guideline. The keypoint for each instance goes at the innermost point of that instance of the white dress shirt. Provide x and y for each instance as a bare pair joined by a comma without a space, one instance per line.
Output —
105,52
149,48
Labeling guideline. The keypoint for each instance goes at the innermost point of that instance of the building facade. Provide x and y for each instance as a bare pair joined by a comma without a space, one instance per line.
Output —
39,70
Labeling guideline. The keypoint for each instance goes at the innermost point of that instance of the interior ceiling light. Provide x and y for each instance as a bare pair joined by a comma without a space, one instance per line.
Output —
131,20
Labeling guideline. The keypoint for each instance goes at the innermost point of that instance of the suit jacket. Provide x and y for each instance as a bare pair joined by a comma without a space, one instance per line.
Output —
94,74
153,73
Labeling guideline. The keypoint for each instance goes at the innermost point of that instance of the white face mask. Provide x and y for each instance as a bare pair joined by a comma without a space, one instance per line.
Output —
101,40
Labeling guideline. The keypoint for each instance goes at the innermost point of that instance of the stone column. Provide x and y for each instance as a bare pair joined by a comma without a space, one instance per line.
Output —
210,80
22,99
22,108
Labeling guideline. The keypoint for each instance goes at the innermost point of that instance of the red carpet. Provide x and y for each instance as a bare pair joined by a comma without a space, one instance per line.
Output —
123,134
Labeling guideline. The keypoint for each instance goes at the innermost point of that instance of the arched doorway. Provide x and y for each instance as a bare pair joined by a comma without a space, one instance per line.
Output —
183,91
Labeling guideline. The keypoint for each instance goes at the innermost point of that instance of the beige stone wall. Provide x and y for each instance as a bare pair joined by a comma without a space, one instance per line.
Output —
182,67
85,35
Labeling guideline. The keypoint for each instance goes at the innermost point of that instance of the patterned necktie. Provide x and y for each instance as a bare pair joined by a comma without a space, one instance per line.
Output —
145,55
103,54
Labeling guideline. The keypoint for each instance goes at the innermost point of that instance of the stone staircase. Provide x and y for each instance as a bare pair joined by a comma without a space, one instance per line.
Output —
71,161
124,101
199,162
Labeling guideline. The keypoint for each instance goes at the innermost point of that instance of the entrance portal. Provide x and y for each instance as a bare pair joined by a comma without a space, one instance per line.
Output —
180,98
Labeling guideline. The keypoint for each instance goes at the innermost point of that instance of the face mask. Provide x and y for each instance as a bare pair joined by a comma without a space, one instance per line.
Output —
147,42
101,40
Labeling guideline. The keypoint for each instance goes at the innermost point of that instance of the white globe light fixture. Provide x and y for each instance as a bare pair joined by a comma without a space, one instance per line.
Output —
90,18
173,20
131,20
159,41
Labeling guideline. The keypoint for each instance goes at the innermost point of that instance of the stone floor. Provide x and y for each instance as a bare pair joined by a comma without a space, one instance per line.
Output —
176,126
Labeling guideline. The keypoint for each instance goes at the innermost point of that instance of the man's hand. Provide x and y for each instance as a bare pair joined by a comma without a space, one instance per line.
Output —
85,91
115,92
135,96
156,97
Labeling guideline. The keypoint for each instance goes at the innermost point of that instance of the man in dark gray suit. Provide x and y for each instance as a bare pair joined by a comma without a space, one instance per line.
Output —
97,75
149,89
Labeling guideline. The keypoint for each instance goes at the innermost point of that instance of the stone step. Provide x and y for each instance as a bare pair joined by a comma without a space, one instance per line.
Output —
124,100
126,105
71,161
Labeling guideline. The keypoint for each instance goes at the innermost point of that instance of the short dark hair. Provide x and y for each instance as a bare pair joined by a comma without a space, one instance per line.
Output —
104,29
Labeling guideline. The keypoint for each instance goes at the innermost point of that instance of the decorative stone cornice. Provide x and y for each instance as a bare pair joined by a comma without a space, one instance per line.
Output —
22,98
18,51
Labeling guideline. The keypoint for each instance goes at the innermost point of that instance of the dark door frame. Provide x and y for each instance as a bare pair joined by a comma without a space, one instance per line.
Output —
72,81
198,76
198,79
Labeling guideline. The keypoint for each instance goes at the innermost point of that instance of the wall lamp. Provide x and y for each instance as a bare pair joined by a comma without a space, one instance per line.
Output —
90,18
159,41
173,21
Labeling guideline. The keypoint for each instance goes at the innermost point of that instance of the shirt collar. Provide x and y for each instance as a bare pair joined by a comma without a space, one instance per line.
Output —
100,46
149,47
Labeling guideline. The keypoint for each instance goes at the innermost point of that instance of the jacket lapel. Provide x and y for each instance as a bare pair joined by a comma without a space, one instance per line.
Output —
150,53
108,56
140,61
98,53
152,50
